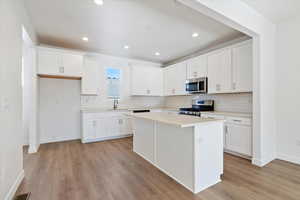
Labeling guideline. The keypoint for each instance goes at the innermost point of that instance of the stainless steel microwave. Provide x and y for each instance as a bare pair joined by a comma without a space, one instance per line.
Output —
198,85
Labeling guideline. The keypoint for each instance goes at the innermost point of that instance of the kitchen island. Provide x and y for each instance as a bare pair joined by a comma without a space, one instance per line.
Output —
188,149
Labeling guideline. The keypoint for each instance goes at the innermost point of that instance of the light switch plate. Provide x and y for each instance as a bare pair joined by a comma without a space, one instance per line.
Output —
4,104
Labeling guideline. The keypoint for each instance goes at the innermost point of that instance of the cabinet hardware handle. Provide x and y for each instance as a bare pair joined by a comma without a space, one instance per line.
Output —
233,86
235,120
218,87
61,70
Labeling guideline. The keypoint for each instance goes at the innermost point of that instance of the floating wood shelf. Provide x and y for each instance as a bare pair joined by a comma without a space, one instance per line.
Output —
59,77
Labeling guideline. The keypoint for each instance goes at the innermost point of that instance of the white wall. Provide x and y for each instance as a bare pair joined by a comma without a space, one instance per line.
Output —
287,90
240,16
60,101
101,101
12,16
30,93
59,110
223,102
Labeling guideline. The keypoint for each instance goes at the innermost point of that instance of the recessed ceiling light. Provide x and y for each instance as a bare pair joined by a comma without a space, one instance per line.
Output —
126,47
99,2
195,35
85,39
157,53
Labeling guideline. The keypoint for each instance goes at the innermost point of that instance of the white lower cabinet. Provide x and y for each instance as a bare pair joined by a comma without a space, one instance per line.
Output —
89,128
239,139
237,134
105,126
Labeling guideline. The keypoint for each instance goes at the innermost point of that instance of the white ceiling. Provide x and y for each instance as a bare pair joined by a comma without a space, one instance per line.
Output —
147,26
275,10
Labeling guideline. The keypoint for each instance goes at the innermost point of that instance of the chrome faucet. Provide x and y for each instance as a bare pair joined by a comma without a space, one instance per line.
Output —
116,102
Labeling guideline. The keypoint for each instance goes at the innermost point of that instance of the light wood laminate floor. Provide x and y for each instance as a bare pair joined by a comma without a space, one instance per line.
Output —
111,171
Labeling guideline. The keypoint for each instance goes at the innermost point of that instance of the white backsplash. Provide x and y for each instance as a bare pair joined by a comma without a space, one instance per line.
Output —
241,102
127,102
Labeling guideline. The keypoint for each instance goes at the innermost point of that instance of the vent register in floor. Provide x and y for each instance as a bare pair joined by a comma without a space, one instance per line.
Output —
23,197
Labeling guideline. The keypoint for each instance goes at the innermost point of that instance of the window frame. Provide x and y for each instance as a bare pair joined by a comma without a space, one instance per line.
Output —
107,83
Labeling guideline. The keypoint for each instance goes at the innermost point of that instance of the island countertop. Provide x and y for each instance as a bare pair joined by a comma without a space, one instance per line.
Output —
182,121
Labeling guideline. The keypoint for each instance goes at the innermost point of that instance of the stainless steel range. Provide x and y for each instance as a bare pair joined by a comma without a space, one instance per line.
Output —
198,106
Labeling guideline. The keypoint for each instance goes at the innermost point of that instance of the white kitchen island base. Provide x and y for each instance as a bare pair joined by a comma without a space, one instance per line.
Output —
190,153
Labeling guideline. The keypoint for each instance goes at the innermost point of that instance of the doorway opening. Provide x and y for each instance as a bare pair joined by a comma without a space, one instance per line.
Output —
29,93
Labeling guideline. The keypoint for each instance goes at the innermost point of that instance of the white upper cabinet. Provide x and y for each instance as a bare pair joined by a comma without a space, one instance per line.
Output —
59,62
219,71
168,80
49,62
146,81
230,69
242,62
174,79
197,67
90,81
72,64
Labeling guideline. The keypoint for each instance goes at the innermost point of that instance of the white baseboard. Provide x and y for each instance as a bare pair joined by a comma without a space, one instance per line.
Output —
12,191
104,138
57,139
238,154
33,149
292,159
195,191
262,162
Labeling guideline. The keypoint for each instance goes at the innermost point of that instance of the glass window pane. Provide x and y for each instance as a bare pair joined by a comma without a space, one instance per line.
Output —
113,82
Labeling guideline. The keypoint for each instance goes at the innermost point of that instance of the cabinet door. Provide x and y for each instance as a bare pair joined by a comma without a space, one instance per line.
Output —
72,64
108,127
101,128
239,139
113,125
139,85
125,125
242,68
219,72
168,86
146,81
89,129
154,80
90,80
49,62
180,78
174,79
197,67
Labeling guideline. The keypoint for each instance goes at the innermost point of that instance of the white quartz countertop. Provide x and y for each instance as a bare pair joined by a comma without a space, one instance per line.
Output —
174,119
230,114
130,109
96,110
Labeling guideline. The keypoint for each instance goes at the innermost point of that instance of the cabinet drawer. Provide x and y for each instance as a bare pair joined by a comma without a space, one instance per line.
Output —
239,121
211,116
